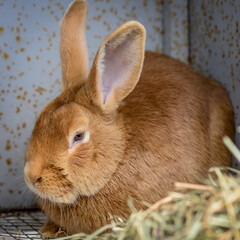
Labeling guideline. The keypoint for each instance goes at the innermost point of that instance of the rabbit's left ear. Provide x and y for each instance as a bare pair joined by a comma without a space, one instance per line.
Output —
117,66
73,44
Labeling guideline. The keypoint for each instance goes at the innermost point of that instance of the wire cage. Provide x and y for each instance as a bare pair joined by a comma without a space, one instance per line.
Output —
21,225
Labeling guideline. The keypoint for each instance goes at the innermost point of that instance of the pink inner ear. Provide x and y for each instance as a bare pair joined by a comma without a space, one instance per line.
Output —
116,63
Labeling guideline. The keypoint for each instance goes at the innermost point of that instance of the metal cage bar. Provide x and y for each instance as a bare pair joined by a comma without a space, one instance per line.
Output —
21,225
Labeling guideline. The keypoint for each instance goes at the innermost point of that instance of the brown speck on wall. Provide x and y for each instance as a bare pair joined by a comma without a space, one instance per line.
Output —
8,145
18,38
21,74
1,30
17,110
8,161
5,56
10,191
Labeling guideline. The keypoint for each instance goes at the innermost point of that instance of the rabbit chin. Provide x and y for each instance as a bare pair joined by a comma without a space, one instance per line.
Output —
65,199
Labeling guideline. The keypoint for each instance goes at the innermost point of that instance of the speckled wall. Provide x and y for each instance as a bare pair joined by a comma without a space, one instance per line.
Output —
215,46
30,74
175,26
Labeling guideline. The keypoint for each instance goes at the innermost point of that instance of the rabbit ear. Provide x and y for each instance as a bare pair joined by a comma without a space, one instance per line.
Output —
73,44
117,65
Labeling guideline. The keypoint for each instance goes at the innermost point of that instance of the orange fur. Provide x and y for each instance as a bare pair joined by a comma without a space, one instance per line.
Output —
73,45
168,129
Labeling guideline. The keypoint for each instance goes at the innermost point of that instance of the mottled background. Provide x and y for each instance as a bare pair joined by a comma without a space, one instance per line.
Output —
202,33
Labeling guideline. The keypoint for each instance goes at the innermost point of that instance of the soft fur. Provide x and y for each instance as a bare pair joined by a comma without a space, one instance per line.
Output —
143,138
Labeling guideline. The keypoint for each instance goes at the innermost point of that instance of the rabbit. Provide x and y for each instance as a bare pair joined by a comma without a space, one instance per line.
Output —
128,129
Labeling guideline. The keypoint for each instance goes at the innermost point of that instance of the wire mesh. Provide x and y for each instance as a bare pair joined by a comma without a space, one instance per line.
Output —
21,225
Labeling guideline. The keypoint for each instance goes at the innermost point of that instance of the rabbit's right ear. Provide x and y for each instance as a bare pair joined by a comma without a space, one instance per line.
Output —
73,44
117,66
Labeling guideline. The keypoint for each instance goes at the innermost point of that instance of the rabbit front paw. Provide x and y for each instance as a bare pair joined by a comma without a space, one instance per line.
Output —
50,230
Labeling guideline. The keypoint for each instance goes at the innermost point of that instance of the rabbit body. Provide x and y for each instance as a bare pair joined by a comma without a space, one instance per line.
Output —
141,140
171,130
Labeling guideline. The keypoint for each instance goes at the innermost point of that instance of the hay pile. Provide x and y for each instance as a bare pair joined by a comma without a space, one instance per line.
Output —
208,211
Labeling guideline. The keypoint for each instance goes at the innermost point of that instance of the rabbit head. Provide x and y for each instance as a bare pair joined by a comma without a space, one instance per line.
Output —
79,138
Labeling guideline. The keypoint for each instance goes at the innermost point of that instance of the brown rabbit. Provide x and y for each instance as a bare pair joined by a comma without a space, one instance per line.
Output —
112,135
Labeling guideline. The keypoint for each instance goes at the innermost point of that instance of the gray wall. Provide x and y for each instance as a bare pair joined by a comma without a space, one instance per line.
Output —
215,46
30,74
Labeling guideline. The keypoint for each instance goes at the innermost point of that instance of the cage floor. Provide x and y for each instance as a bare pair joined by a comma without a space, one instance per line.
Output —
21,225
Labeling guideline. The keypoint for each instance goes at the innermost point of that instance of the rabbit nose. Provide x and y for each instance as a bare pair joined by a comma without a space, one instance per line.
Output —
34,178
33,172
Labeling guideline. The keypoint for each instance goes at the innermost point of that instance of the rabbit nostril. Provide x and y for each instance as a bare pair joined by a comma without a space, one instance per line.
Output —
39,180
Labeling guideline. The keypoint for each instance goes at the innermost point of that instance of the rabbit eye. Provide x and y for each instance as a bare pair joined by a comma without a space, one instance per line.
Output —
79,137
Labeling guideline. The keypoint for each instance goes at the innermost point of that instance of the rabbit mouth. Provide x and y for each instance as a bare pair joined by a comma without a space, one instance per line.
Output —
58,196
55,194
